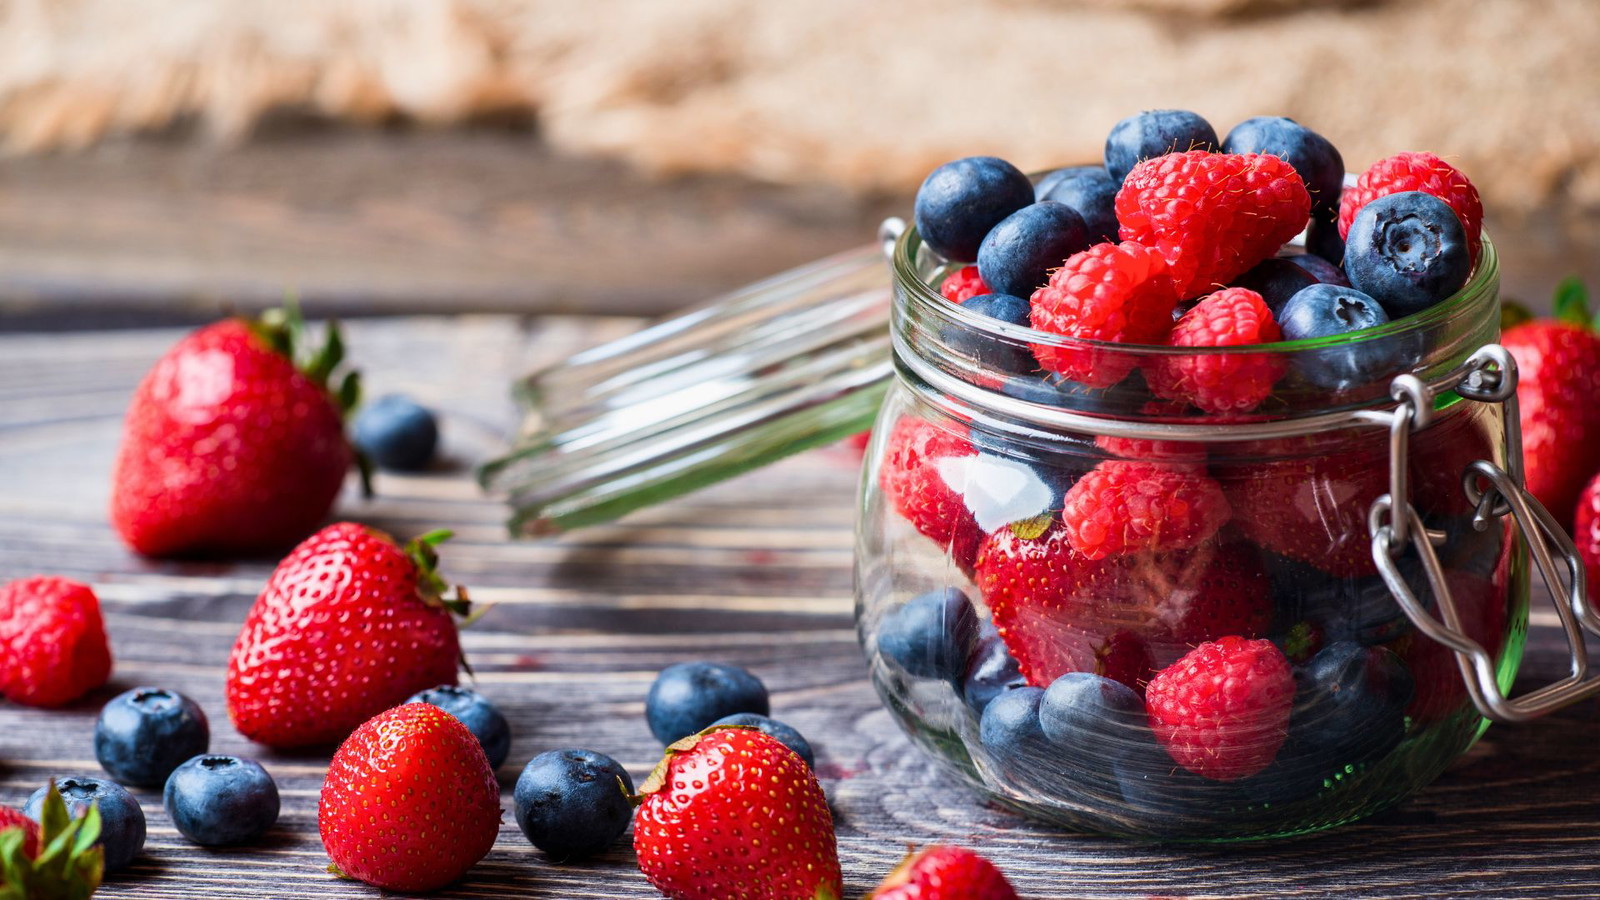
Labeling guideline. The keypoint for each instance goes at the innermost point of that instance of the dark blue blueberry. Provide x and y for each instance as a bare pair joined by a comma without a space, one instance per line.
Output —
1312,155
932,635
1408,250
1162,796
1017,255
1323,242
1094,715
121,820
396,433
573,803
1327,310
960,201
1155,132
219,800
1090,191
1276,280
993,352
486,723
1337,609
143,734
991,671
1010,733
1048,391
1349,707
687,697
1320,269
784,734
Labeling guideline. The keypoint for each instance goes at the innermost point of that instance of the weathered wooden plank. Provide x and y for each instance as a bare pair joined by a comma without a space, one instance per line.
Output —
754,573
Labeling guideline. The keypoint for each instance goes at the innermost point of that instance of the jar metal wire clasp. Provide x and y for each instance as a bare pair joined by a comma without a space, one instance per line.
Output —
1488,376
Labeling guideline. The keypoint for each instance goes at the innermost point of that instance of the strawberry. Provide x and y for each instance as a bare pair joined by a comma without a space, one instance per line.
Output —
1558,363
1213,216
1586,532
13,818
60,858
54,641
228,447
1222,711
915,485
943,872
349,624
1440,691
409,802
733,814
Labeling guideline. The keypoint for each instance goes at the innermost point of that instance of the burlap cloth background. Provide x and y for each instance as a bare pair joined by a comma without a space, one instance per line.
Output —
870,95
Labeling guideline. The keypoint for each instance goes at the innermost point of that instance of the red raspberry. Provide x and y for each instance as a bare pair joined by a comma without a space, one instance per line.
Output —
911,480
1416,172
1222,711
53,646
1212,215
1127,507
1109,292
1220,382
1173,453
963,284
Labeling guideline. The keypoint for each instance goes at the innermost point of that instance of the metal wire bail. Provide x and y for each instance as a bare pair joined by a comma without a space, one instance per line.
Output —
1488,376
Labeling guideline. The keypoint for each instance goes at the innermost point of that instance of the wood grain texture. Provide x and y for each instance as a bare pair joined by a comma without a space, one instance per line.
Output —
755,573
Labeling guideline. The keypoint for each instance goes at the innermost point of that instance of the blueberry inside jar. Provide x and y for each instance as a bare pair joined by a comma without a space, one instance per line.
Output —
1168,539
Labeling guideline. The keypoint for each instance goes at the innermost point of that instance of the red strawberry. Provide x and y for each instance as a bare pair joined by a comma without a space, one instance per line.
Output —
1174,454
1109,292
942,872
13,818
1222,711
1440,691
1194,596
1559,368
409,802
1416,172
1128,507
349,624
963,284
912,481
54,641
1586,532
732,814
228,448
1220,382
59,857
1212,215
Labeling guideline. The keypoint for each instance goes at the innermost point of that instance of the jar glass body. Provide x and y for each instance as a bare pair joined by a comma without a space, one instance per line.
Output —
1089,543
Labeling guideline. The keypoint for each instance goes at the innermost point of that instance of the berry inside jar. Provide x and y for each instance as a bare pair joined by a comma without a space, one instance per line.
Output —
1115,565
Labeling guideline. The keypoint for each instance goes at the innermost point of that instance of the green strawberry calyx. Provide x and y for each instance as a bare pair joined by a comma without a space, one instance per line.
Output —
69,864
433,590
1570,304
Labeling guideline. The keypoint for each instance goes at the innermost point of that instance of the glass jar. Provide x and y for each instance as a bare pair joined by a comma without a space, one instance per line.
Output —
1048,571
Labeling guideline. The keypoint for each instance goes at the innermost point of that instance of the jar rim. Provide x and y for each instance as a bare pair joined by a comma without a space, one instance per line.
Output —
1484,279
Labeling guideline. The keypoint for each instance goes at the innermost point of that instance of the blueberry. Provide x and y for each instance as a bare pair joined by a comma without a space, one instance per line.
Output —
991,671
121,820
486,723
1276,280
992,352
1349,707
1408,250
960,201
1320,269
143,734
1017,255
219,800
1155,132
396,433
1048,391
687,697
1318,161
573,803
1338,609
1323,242
930,636
1090,191
1094,715
1327,310
784,734
1015,743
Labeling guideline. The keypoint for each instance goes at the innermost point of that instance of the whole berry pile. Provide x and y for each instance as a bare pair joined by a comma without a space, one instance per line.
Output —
1153,626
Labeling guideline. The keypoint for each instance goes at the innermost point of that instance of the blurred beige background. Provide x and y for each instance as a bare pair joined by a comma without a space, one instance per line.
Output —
869,95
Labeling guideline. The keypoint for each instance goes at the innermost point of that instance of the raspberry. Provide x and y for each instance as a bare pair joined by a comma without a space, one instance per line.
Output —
963,284
1127,507
1220,382
52,641
1109,292
1172,453
1213,216
911,480
1416,172
1222,711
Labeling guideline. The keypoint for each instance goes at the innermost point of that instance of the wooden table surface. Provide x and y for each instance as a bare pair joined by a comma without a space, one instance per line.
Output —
755,573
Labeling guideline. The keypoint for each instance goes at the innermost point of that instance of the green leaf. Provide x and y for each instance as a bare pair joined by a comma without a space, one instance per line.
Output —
435,537
1572,301
1513,314
1029,529
327,359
